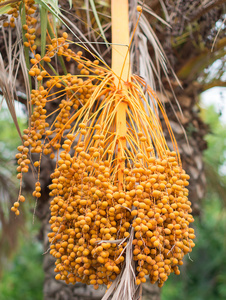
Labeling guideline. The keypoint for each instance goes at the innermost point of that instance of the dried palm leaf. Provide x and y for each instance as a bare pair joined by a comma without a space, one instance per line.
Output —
9,72
142,63
123,287
8,91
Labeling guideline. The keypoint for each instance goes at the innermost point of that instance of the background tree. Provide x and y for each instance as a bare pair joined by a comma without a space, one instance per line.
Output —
203,276
187,45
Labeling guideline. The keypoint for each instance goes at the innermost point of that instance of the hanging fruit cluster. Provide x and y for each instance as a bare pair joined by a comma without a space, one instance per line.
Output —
13,12
114,170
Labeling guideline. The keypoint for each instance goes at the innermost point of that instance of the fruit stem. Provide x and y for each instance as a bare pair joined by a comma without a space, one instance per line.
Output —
120,39
121,68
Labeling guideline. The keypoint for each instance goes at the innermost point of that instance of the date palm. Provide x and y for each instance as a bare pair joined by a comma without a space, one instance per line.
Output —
187,46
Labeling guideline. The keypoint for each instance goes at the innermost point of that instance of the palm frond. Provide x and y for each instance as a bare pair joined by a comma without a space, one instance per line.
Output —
10,72
147,67
6,5
152,69
92,3
8,91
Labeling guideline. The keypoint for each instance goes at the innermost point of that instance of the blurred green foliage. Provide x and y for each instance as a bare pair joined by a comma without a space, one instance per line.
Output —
203,276
9,138
23,278
22,275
